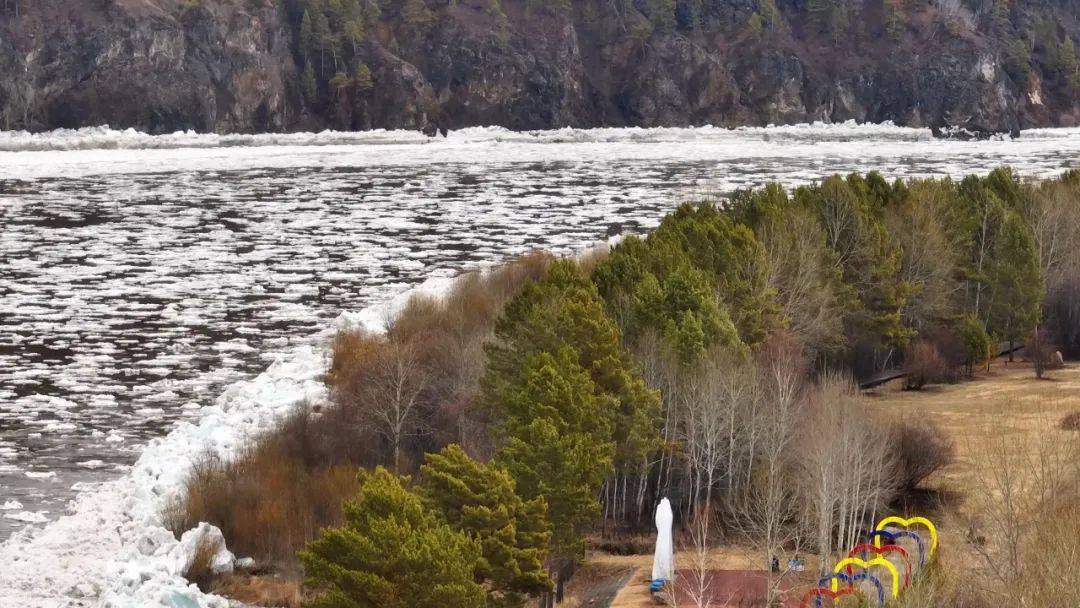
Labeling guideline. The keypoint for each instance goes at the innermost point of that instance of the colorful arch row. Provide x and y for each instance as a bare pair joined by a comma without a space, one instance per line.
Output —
844,569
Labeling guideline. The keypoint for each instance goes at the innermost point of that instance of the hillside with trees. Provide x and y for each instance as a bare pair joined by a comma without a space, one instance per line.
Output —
278,65
470,452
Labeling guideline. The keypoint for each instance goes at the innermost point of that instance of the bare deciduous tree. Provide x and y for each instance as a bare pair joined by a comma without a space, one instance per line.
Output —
716,399
388,396
930,256
767,511
848,467
697,579
804,280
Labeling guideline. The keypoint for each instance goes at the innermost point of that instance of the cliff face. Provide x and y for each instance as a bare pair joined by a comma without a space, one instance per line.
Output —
238,65
156,65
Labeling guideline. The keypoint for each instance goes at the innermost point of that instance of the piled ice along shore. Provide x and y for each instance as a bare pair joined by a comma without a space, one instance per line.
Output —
112,550
105,138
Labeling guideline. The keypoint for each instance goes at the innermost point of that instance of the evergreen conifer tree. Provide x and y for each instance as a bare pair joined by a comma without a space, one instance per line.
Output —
310,84
1015,281
392,552
564,309
480,500
307,35
557,442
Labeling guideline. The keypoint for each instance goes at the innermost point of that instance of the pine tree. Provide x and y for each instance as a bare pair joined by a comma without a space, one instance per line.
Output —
362,77
557,442
354,32
895,20
755,25
1017,60
1000,15
829,16
310,84
339,82
307,35
704,238
564,309
662,15
978,346
1015,281
480,500
391,552
416,14
322,36
770,15
1069,65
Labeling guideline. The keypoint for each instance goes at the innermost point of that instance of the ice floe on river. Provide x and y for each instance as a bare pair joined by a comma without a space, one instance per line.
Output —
102,150
104,138
111,549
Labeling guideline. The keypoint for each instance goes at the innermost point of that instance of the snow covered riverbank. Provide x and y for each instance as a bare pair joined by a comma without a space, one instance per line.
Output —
112,550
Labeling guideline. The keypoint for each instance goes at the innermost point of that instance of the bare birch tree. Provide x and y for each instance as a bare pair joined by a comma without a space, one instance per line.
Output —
716,399
767,511
848,467
388,397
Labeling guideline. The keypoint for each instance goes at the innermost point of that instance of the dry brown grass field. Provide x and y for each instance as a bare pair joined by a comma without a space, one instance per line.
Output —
1007,401
1005,412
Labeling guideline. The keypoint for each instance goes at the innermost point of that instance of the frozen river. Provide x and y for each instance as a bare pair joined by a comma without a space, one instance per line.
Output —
140,276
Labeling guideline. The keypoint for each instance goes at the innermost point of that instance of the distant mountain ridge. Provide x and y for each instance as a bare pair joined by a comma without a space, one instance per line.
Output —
969,67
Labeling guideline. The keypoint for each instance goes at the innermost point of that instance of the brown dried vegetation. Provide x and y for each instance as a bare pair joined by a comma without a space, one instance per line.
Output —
412,386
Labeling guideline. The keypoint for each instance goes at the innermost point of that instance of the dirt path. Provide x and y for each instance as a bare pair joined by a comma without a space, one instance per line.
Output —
635,594
604,594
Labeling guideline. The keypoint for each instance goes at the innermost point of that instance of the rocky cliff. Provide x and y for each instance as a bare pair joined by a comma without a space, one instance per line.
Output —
270,65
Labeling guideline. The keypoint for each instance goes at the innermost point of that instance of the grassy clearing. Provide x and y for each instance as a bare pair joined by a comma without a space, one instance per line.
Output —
1033,418
1007,400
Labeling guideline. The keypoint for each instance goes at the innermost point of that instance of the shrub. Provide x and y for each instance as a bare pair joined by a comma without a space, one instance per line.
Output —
259,590
952,348
923,365
267,502
1071,422
624,544
977,343
350,350
1040,351
922,449
1053,542
201,572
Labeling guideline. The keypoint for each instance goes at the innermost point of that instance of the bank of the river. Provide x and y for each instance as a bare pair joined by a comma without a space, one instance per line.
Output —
143,280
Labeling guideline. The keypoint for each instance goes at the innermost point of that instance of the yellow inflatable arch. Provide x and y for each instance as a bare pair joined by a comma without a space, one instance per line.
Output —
866,565
907,523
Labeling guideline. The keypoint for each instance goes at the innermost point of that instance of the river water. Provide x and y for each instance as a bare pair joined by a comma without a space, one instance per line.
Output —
141,275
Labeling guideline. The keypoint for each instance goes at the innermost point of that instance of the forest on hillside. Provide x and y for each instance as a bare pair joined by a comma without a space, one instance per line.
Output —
978,66
1030,50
